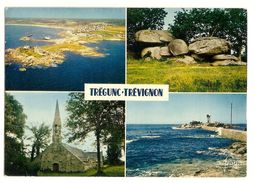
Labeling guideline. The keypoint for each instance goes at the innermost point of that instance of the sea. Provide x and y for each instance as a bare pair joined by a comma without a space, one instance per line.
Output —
72,73
161,150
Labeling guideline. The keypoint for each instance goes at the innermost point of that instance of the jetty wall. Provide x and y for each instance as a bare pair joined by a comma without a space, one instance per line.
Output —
228,133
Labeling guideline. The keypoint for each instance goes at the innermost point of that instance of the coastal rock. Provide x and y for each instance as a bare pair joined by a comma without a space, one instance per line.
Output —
241,151
239,148
192,124
178,47
153,36
25,38
26,47
227,63
209,46
152,52
224,57
186,60
164,51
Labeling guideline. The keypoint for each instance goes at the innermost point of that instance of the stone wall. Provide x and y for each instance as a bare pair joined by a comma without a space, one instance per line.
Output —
233,134
67,162
228,133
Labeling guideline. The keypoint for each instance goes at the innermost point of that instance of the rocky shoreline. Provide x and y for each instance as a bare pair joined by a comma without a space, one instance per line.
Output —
234,165
72,40
199,124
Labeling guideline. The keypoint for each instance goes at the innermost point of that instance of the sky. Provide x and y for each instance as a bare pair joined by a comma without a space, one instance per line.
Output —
184,108
169,19
77,13
40,107
69,13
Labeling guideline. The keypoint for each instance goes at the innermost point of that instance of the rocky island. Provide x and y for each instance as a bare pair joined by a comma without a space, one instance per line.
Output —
73,37
199,124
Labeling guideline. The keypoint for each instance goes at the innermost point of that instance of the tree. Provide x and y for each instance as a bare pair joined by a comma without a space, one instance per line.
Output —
115,132
230,24
89,116
143,18
15,160
40,139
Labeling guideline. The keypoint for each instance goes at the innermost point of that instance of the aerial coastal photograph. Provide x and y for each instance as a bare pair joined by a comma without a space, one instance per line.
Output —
191,135
60,49
61,134
190,49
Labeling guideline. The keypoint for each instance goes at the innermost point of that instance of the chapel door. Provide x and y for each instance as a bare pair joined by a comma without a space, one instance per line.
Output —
55,167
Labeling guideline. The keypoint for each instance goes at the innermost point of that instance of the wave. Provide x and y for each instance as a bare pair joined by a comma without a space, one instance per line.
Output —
199,136
130,141
142,137
176,128
200,152
212,148
150,136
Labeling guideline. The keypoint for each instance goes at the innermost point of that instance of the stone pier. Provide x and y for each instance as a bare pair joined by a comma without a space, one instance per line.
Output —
228,133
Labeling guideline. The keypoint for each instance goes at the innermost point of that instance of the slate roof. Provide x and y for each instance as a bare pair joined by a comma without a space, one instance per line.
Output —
83,156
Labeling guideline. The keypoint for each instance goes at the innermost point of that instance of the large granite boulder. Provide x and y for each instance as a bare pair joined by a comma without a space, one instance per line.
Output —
224,57
186,60
209,46
227,63
153,36
178,47
152,52
164,51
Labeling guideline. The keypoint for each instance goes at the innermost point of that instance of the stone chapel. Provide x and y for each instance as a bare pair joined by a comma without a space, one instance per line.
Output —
60,157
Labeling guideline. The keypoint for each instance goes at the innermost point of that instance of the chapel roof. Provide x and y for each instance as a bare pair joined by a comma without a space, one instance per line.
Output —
83,156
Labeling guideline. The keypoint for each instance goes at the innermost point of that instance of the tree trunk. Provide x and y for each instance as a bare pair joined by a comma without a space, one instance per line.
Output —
32,153
37,150
240,53
99,171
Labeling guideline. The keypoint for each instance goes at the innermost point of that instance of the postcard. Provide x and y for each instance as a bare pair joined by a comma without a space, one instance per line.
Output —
125,92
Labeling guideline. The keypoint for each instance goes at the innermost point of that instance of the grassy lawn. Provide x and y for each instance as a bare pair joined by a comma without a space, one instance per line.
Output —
108,171
188,78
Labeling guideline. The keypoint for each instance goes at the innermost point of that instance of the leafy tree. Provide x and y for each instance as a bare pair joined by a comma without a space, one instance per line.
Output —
89,116
230,24
40,139
15,160
116,131
143,18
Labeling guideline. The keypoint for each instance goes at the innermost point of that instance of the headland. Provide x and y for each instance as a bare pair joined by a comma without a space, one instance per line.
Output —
74,35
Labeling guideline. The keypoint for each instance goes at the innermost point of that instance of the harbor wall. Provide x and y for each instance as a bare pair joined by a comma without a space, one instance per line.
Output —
228,133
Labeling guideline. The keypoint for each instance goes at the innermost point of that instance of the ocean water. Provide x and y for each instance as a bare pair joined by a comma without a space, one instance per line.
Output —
72,73
155,147
14,32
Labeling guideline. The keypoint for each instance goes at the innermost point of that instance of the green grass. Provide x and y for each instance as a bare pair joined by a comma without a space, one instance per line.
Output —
108,171
30,52
188,78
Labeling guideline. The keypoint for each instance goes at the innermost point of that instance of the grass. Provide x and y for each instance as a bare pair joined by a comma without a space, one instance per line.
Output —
108,171
188,78
57,47
29,52
110,32
72,47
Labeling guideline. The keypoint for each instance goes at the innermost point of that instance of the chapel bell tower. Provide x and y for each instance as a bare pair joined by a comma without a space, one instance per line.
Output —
56,136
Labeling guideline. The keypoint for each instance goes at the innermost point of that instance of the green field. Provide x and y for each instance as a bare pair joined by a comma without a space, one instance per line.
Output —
188,78
108,171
